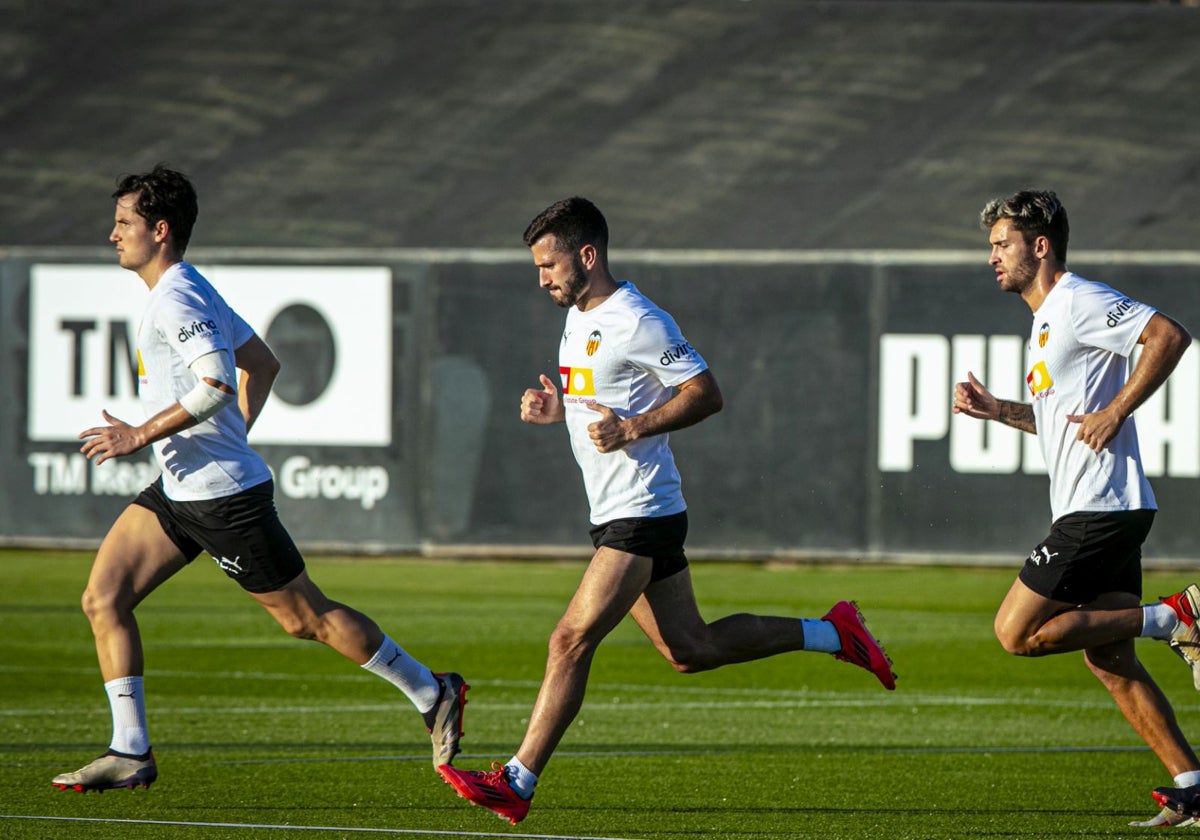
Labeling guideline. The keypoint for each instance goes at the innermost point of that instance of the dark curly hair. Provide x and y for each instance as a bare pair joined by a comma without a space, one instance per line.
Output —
163,195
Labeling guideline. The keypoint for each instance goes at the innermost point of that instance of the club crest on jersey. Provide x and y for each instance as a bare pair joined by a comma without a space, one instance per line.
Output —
593,342
1043,335
577,382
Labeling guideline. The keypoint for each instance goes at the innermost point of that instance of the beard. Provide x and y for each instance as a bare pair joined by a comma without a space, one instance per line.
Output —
572,288
1022,274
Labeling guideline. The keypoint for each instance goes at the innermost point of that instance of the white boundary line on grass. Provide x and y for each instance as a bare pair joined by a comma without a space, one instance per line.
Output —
598,706
759,697
411,832
947,750
648,753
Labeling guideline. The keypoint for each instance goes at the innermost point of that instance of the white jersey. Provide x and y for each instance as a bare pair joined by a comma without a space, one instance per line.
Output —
1079,348
185,318
626,354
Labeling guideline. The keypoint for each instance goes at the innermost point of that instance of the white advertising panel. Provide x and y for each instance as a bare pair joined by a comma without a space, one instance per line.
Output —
83,329
917,374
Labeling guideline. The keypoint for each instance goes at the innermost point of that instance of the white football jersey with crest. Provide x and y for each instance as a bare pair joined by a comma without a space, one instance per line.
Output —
1079,349
626,354
184,318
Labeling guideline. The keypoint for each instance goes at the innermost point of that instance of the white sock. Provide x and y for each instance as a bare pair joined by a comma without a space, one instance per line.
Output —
820,635
1158,621
416,681
520,778
1191,777
127,699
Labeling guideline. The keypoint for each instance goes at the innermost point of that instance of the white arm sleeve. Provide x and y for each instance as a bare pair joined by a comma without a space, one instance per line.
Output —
203,401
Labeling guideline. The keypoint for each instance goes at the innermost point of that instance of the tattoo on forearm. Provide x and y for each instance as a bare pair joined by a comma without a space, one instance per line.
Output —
1018,415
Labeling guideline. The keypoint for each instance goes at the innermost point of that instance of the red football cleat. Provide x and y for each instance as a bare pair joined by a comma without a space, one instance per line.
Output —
859,647
487,789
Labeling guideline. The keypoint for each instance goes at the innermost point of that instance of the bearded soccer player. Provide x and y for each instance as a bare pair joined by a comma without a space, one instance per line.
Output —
1080,587
628,379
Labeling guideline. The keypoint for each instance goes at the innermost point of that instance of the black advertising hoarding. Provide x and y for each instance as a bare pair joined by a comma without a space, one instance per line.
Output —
395,425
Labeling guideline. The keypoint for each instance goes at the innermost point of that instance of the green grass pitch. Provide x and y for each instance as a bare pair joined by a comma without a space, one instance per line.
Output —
259,735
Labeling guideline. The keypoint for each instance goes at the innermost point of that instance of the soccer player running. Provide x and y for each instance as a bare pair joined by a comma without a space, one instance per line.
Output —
1080,587
628,378
215,493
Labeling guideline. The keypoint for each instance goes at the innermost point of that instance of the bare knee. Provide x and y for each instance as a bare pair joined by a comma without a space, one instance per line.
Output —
1019,643
566,643
298,628
571,644
90,604
98,606
299,625
302,610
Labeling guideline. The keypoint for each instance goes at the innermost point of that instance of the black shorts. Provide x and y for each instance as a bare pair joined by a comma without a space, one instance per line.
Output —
658,537
1088,554
242,532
